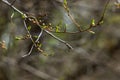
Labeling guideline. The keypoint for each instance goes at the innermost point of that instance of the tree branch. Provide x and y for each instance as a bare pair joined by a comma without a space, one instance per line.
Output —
24,16
37,72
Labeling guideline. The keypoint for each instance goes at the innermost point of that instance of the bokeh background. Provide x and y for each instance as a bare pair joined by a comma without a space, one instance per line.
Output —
95,56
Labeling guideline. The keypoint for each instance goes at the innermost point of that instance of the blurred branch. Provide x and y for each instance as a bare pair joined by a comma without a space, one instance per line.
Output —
9,62
37,73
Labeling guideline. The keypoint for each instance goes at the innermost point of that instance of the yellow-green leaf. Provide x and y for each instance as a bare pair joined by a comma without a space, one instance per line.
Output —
92,32
23,16
29,28
36,37
39,45
93,22
65,2
18,38
57,29
101,22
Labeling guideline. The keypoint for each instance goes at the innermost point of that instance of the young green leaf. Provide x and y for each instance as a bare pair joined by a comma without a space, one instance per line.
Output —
65,2
101,22
93,22
18,38
57,29
39,45
36,37
23,16
29,28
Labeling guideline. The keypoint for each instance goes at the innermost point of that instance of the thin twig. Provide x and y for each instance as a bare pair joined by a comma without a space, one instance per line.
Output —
29,33
31,49
14,64
103,13
62,41
71,17
9,4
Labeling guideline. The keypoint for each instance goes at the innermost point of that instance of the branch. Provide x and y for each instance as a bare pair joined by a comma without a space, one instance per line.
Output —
13,64
37,73
24,16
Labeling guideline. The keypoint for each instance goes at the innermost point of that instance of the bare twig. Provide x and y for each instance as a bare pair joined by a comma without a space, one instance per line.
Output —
68,45
37,72
33,44
29,33
103,13
13,64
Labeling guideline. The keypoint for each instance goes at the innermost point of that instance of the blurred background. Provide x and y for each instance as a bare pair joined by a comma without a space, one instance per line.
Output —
95,56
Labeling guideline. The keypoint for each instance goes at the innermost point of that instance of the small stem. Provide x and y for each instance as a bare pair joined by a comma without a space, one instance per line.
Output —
71,17
29,33
103,13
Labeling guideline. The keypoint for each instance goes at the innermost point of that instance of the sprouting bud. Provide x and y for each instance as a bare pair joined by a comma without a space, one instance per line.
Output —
12,15
91,32
93,22
2,45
